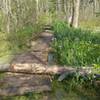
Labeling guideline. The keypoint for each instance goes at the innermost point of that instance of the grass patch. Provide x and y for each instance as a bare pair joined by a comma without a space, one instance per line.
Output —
90,24
75,88
13,43
76,47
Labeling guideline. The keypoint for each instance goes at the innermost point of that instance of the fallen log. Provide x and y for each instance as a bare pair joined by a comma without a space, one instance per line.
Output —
33,68
22,80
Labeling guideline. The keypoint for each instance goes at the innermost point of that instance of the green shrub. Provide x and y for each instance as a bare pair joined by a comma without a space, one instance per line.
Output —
75,46
21,38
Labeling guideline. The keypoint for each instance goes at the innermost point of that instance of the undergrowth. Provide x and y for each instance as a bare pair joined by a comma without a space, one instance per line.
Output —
76,47
16,42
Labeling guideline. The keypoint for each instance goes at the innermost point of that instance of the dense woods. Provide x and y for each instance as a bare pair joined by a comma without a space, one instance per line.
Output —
16,14
50,45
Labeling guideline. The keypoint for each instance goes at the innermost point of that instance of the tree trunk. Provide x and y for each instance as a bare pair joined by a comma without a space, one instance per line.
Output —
37,8
59,8
5,9
65,8
75,13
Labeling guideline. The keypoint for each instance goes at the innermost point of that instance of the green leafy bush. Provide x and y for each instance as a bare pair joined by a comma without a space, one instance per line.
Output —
75,46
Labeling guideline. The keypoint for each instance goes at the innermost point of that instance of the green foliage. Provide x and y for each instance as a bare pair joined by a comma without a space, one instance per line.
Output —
38,28
44,19
96,68
75,88
75,46
17,41
12,43
23,35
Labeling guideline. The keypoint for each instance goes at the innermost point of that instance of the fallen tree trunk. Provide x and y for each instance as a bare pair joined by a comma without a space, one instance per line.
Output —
42,69
21,79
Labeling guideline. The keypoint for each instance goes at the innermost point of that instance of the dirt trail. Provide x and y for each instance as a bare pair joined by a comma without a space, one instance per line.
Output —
18,84
39,50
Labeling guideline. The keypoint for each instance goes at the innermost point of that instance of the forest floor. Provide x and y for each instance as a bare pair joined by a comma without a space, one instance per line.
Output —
15,85
18,84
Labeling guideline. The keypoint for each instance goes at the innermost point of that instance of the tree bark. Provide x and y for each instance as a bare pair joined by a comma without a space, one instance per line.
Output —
65,8
59,8
37,8
75,13
43,69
